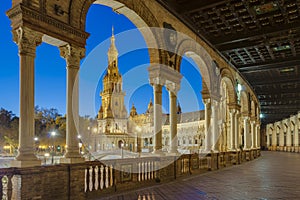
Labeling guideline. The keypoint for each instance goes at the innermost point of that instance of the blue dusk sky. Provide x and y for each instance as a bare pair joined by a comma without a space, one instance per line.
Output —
50,70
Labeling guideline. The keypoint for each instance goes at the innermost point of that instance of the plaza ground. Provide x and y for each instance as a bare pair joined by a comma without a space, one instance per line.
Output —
275,175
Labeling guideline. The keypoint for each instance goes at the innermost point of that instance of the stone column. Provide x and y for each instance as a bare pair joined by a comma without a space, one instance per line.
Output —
268,138
288,134
252,122
281,136
27,41
157,90
246,132
173,122
72,55
256,135
214,125
208,144
296,133
232,129
274,137
236,130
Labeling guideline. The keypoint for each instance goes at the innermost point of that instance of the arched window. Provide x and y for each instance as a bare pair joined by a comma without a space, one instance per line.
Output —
284,139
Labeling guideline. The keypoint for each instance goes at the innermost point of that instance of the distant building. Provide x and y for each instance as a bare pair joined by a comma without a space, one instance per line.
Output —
118,130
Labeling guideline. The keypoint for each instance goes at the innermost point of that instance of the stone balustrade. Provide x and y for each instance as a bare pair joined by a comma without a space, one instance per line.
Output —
96,179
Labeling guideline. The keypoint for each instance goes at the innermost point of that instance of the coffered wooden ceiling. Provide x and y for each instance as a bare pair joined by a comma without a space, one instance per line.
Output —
260,38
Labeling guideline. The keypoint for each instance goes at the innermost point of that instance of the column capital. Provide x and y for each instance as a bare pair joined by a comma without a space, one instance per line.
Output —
172,87
234,106
246,117
206,101
27,40
73,54
214,102
157,88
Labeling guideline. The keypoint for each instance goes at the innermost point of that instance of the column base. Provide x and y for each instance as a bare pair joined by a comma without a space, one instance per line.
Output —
71,160
25,163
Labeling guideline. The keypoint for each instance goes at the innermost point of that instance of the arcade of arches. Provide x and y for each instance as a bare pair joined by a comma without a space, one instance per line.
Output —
231,107
284,135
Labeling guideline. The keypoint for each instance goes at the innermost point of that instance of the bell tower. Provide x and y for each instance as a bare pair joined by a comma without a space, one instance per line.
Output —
113,110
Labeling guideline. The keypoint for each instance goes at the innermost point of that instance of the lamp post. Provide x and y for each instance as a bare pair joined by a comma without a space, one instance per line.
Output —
79,143
36,140
53,133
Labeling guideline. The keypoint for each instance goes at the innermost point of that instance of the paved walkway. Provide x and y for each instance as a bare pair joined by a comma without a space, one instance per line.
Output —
275,175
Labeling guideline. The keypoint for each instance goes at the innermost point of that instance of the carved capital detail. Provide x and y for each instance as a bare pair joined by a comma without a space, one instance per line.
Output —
27,40
72,54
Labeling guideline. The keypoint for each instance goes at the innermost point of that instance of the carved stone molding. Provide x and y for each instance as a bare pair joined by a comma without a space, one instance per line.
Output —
72,54
27,40
21,15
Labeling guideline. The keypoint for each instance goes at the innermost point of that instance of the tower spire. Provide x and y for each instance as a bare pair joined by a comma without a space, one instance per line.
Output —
112,52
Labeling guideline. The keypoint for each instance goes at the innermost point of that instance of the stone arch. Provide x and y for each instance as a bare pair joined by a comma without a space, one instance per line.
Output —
228,80
253,109
201,57
244,103
136,11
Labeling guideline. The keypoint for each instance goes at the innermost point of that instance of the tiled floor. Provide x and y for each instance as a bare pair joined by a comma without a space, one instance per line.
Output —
275,175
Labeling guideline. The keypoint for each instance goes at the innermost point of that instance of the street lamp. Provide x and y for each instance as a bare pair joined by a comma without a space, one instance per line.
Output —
53,133
36,139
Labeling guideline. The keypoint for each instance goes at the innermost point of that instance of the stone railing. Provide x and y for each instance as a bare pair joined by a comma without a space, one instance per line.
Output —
94,179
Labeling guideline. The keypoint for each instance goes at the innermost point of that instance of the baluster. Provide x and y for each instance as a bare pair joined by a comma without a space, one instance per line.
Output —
85,180
111,175
96,178
4,191
106,177
149,170
101,177
91,178
155,169
152,172
146,170
139,171
142,171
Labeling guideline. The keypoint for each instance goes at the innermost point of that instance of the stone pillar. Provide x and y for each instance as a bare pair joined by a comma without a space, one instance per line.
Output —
257,135
214,125
296,133
253,134
173,122
274,138
157,90
208,144
236,130
281,136
72,55
246,132
268,138
259,140
288,134
232,129
27,41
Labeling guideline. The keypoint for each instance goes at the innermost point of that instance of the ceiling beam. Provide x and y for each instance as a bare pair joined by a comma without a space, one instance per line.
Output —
274,64
284,107
253,34
277,92
273,82
194,6
253,43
